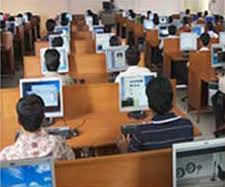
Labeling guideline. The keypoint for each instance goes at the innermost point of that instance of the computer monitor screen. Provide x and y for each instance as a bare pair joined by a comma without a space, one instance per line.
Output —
63,29
218,55
11,26
102,41
24,173
210,19
18,21
148,24
198,29
64,64
198,164
163,19
49,89
132,92
66,42
163,31
188,42
222,38
116,59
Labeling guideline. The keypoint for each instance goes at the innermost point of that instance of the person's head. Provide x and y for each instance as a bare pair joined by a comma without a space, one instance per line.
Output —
205,39
30,112
115,41
199,14
11,18
2,25
206,13
210,26
29,16
52,60
172,30
89,12
132,56
19,15
57,42
50,25
107,29
187,11
65,21
156,19
170,19
185,21
159,92
149,12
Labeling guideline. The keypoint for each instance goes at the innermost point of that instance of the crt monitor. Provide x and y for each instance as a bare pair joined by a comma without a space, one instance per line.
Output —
66,41
30,172
116,58
222,38
163,31
188,41
49,89
198,29
148,24
218,55
132,92
102,42
163,20
64,64
199,163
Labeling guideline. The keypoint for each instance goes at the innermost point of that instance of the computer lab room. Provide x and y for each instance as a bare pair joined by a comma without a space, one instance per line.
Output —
112,93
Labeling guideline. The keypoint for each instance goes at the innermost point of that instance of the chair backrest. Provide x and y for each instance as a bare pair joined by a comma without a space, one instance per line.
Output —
171,46
83,46
136,169
39,46
152,37
7,40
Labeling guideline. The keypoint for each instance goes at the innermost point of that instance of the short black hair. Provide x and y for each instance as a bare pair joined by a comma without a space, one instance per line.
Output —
132,56
50,25
115,41
29,15
187,11
57,42
205,39
199,14
185,20
3,24
156,19
19,15
52,60
64,19
170,19
206,13
107,29
11,18
30,111
160,95
172,30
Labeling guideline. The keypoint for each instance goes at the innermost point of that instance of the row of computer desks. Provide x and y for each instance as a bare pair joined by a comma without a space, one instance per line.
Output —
93,109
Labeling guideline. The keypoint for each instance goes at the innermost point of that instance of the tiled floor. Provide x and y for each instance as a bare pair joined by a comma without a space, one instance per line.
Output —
206,125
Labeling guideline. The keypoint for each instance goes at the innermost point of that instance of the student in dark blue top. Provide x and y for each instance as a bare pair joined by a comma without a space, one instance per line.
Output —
166,127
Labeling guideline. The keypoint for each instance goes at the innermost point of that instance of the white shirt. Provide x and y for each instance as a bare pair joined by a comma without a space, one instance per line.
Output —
133,70
213,34
204,49
222,84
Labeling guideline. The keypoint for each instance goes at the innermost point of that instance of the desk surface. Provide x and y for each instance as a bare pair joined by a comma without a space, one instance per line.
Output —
100,129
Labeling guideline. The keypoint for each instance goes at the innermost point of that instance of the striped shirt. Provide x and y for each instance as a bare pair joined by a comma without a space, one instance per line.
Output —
163,131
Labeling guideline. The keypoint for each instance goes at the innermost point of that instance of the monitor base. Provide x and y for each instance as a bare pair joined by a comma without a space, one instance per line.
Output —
48,122
137,115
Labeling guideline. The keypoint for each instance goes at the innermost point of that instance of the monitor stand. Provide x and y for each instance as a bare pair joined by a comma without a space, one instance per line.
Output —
48,122
138,115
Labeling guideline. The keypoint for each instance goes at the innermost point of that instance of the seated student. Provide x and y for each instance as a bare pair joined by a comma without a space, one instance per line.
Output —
186,27
11,18
206,13
156,21
218,100
165,127
50,26
34,141
170,20
64,20
205,40
115,41
52,62
2,26
187,12
133,58
172,34
29,15
211,30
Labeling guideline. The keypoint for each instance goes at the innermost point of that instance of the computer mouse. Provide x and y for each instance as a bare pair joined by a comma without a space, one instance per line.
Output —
75,132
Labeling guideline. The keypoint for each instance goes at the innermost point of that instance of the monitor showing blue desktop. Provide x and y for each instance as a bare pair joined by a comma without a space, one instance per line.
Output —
98,29
28,173
218,55
199,163
188,41
198,29
49,89
210,19
132,91
116,58
64,62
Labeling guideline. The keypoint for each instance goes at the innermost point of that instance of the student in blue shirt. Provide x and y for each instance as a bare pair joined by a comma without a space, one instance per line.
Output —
165,127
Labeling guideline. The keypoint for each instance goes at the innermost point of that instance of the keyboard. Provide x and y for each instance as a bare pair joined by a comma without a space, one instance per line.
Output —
64,132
